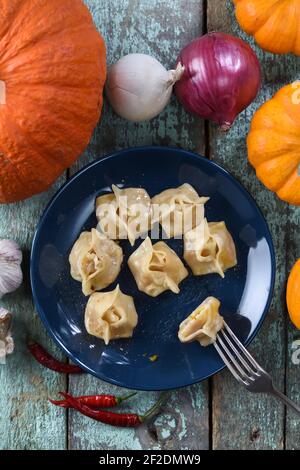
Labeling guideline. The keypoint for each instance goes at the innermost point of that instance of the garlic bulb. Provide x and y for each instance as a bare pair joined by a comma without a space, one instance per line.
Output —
10,267
139,87
6,339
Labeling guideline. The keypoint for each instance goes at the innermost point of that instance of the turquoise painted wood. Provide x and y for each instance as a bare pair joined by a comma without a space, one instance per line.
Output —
26,419
217,413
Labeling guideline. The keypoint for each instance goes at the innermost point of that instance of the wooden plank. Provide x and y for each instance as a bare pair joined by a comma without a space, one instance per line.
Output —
241,420
292,440
27,421
159,28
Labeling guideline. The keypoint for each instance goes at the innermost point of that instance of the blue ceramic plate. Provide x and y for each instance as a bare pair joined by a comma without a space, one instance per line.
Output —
245,293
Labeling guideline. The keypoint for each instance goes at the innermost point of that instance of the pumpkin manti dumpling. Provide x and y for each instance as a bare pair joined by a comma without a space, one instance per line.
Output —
124,213
209,248
95,261
110,315
156,268
179,209
52,73
203,324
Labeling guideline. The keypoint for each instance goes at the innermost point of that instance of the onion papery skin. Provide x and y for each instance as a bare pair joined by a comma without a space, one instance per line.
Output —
222,77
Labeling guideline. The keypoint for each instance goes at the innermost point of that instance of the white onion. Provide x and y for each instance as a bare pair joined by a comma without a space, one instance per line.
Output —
139,87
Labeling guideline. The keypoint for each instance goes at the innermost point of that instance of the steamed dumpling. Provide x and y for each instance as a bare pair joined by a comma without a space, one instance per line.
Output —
110,315
203,324
95,261
156,268
178,210
209,248
125,213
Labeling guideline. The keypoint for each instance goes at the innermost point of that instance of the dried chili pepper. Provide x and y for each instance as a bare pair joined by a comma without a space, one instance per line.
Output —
94,401
114,419
48,361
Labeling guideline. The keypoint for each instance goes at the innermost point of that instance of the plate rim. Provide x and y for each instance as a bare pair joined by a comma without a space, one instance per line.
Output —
103,159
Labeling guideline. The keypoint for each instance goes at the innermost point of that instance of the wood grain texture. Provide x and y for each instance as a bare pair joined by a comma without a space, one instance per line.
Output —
158,28
242,420
27,421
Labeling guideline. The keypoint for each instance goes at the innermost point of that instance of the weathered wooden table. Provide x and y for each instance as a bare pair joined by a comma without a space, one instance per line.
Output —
218,413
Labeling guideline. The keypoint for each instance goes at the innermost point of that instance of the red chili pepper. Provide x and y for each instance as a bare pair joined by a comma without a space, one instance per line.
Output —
48,361
94,401
130,420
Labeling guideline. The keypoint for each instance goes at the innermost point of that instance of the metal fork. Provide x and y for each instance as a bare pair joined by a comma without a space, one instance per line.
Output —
244,367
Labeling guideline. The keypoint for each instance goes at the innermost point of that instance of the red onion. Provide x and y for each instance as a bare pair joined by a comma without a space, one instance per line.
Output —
221,78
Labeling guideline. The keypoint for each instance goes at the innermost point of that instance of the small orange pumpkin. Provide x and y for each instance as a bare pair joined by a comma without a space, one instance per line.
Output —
274,143
275,24
52,73
293,295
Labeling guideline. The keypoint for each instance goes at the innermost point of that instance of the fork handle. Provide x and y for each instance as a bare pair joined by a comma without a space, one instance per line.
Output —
286,400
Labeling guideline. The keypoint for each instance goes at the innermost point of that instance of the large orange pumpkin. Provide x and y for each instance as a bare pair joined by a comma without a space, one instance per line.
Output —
52,73
274,143
293,294
275,24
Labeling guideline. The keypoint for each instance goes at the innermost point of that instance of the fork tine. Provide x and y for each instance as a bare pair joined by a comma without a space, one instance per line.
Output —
247,354
229,365
249,368
232,361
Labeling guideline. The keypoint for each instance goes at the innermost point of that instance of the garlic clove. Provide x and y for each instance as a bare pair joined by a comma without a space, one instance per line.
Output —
10,278
6,339
10,345
5,323
2,350
11,275
10,250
